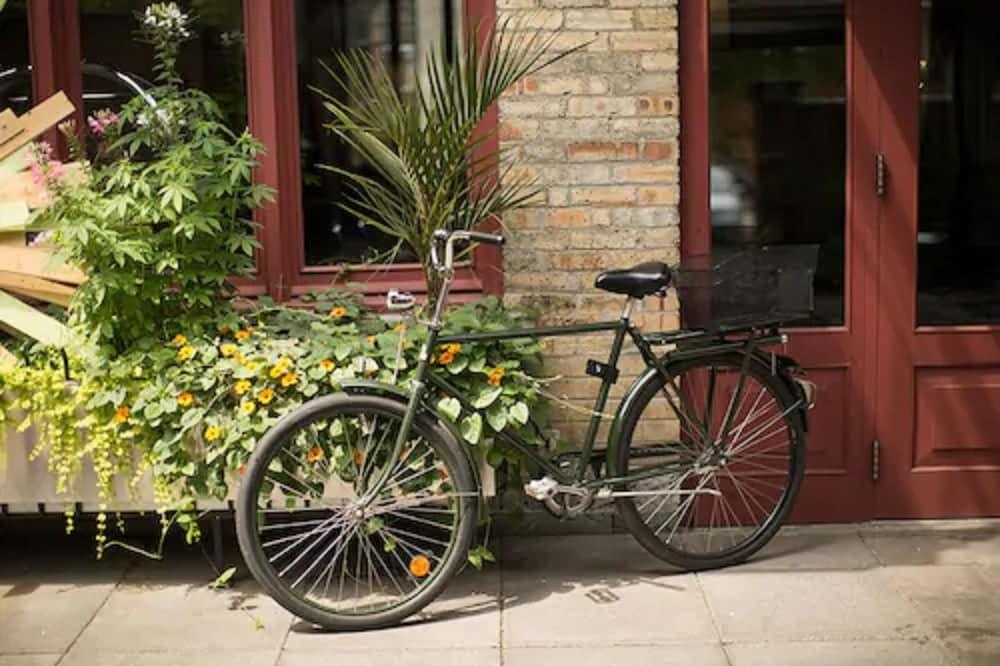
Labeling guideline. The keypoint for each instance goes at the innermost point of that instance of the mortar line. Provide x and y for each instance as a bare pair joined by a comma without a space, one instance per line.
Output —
104,602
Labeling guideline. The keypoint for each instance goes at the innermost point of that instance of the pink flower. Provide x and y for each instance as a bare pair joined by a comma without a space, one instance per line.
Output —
95,125
101,121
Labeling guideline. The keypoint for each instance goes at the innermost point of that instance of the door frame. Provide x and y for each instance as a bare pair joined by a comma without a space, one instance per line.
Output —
845,492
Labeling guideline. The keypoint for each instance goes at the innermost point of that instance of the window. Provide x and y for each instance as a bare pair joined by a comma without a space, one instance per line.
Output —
398,33
15,59
115,67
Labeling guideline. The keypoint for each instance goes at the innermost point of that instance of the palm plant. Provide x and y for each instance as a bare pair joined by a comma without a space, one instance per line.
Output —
434,167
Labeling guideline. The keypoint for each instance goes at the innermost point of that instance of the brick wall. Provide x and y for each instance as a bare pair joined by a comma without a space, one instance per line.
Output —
600,131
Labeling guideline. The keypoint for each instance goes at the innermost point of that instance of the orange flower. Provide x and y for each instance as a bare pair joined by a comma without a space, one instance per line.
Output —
420,566
242,334
224,329
265,396
454,348
371,340
180,340
315,455
185,399
242,470
288,379
121,414
327,364
496,374
446,358
338,312
400,328
358,457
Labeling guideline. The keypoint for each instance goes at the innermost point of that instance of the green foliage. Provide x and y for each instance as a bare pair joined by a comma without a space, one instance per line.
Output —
191,408
434,165
161,221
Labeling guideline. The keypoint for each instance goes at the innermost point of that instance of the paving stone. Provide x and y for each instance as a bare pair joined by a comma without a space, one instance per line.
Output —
29,659
171,658
792,606
819,550
401,657
962,602
879,653
467,614
605,655
161,606
950,546
971,651
586,590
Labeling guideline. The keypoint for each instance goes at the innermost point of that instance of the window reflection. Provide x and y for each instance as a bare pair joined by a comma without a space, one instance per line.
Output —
117,68
958,241
778,133
398,32
15,59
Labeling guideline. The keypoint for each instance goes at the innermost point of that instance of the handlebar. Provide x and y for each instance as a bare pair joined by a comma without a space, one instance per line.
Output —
449,238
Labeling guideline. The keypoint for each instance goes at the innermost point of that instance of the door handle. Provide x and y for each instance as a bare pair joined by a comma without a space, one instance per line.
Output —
881,175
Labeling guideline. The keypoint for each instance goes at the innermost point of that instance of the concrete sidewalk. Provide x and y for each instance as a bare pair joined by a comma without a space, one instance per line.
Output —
913,595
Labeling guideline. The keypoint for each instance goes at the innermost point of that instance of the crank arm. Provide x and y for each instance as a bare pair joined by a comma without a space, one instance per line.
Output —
607,493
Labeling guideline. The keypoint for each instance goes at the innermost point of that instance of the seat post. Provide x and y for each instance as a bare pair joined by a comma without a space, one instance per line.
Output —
627,310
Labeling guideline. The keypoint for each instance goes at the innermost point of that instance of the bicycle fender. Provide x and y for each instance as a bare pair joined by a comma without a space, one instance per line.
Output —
789,370
427,411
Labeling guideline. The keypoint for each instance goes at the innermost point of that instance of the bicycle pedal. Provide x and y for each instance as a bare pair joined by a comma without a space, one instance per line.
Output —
541,489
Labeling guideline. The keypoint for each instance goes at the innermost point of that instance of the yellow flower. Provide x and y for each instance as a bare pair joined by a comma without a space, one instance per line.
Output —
265,396
251,366
327,364
400,328
288,379
121,414
185,399
242,334
180,340
446,358
338,312
315,455
454,348
242,387
212,433
228,349
371,340
186,352
279,368
496,374
248,407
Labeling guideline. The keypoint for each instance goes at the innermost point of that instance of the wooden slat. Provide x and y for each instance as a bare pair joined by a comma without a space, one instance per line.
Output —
21,186
38,262
13,215
15,163
15,315
35,122
9,125
6,358
37,288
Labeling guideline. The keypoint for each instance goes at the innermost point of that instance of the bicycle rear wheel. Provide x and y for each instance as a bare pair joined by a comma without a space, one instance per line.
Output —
721,496
323,551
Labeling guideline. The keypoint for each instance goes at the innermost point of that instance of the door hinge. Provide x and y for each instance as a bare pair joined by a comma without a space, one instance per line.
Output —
875,459
880,174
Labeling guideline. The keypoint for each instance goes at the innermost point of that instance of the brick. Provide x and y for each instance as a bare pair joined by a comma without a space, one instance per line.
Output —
643,40
558,196
658,105
540,151
531,107
589,107
641,128
659,196
567,217
639,3
647,83
645,173
574,3
666,61
588,151
604,196
516,4
537,19
565,85
599,19
571,39
583,62
654,151
656,17
516,129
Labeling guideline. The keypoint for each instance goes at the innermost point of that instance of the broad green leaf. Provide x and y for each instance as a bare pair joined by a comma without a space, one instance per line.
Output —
519,413
487,397
223,579
450,407
496,416
472,428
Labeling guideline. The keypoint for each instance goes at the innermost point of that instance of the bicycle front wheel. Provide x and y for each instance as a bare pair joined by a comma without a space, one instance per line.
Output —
322,546
723,492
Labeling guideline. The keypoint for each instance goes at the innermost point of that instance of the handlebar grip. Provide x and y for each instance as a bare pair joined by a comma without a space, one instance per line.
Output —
489,239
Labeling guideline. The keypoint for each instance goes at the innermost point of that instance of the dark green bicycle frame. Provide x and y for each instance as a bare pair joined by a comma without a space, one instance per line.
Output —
689,344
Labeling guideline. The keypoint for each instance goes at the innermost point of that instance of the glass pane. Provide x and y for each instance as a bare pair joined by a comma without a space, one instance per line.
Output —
15,58
400,33
958,239
117,67
779,132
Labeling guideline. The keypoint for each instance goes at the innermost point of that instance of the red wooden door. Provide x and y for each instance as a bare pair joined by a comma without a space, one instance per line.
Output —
792,123
938,230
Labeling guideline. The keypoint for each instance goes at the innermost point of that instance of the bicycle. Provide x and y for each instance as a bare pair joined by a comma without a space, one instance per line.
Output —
357,508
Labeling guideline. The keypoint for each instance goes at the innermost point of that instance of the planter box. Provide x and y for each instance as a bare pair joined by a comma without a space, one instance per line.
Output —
28,486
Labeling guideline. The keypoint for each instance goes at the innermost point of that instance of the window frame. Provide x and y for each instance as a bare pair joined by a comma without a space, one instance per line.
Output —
273,117
694,42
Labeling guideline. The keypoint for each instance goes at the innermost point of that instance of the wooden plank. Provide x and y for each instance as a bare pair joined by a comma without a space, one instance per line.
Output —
40,263
6,358
13,215
22,187
35,122
28,321
37,288
9,125
14,163
13,239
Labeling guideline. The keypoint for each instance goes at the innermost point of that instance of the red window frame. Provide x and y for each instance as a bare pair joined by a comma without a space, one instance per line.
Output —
695,158
272,89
